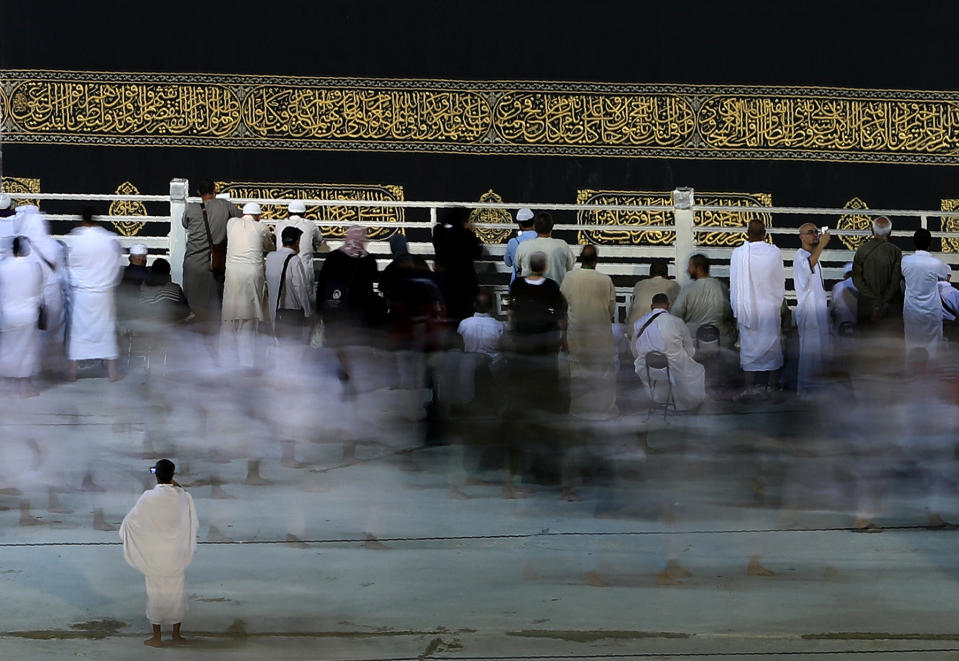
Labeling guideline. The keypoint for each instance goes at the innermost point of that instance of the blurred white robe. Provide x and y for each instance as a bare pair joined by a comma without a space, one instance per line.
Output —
94,263
669,335
922,306
159,540
812,319
21,288
757,287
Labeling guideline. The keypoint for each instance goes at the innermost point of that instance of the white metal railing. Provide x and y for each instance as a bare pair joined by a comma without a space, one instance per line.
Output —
173,243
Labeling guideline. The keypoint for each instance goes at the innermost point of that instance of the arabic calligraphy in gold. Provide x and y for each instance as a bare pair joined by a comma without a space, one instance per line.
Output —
854,222
21,185
640,218
950,225
481,117
490,235
127,208
306,191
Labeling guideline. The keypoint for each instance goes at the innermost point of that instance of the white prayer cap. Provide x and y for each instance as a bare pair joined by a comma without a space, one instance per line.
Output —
524,214
138,249
847,268
296,206
251,209
5,201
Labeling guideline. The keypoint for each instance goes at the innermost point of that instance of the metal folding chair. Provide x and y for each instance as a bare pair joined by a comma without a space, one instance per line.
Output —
657,370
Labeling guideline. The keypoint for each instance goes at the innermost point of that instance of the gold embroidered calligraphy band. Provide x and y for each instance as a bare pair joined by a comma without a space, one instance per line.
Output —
480,117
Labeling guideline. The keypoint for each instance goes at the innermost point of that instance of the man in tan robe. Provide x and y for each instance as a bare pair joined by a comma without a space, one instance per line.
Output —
658,282
592,351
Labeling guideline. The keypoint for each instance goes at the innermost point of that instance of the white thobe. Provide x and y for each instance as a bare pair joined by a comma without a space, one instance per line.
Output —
51,256
922,307
21,288
482,333
757,287
949,297
591,297
310,239
845,304
159,540
812,320
244,288
296,296
10,226
669,335
95,270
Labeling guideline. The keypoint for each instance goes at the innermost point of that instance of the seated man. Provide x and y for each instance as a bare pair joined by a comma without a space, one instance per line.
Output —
660,331
704,301
482,333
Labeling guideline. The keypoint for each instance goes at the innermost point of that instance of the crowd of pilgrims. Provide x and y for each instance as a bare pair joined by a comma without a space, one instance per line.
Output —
555,366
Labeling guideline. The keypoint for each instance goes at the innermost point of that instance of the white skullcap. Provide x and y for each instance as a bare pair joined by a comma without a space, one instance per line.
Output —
296,206
847,268
5,201
251,209
524,214
138,249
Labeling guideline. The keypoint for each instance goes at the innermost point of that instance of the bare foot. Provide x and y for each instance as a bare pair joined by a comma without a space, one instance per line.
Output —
177,639
100,523
373,544
756,569
216,536
257,481
216,491
458,494
595,580
936,522
91,486
295,542
673,570
153,642
663,578
569,496
864,525
293,463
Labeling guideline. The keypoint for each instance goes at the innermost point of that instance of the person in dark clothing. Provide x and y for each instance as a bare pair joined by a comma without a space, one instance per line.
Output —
128,293
161,300
345,291
415,306
456,246
537,311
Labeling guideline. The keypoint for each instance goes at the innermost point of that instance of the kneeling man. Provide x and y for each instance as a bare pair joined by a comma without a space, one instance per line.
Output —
159,539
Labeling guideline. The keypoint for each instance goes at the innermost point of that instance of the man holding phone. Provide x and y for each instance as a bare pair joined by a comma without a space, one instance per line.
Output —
812,309
159,540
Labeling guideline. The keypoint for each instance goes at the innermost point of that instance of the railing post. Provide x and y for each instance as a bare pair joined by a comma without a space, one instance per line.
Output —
685,238
179,189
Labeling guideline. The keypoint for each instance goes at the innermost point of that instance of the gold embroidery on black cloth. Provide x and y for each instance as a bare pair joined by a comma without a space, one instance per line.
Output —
490,235
279,191
127,208
21,185
480,117
854,222
950,225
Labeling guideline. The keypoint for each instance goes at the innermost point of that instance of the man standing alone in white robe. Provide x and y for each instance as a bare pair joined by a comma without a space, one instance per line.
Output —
21,288
922,306
159,540
812,311
244,289
94,263
757,287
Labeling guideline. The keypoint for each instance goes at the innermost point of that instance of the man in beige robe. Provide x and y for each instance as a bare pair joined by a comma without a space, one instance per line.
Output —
592,351
658,282
244,288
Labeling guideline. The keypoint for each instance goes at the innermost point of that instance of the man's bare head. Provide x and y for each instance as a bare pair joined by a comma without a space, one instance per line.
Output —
881,226
538,262
589,255
756,230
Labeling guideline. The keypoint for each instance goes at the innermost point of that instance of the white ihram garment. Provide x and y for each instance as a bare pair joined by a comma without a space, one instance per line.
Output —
311,237
94,262
812,319
21,288
669,335
922,307
757,286
159,540
50,255
949,296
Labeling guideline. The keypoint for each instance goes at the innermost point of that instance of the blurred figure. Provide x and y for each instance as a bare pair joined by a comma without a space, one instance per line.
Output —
949,297
205,225
288,289
482,333
51,255
757,287
345,295
658,282
162,301
660,331
136,271
244,291
559,256
845,301
591,298
812,312
524,218
456,246
94,264
877,276
922,306
159,540
128,293
9,224
704,301
311,240
21,291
